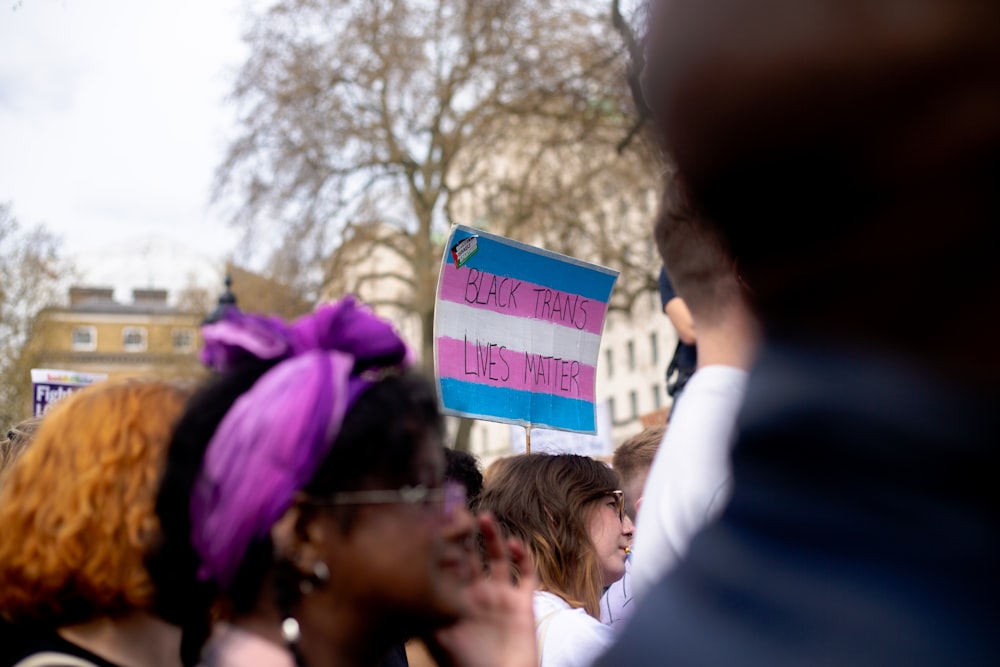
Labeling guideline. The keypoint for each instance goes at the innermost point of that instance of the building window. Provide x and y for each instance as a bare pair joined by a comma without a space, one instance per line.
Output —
654,348
611,410
657,397
631,355
608,361
633,399
134,339
183,340
84,339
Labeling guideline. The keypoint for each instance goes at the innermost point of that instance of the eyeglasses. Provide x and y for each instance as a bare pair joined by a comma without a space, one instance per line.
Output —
451,495
619,497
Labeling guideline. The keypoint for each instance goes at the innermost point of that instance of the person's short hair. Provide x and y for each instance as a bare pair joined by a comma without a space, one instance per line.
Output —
546,500
695,255
77,509
14,442
634,457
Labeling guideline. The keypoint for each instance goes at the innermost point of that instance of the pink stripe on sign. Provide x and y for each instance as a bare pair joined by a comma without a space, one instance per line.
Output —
519,298
486,363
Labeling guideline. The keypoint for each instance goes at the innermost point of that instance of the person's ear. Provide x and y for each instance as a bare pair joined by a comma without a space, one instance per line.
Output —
638,502
298,539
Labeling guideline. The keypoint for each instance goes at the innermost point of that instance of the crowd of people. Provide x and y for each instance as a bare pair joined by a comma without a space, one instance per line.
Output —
821,494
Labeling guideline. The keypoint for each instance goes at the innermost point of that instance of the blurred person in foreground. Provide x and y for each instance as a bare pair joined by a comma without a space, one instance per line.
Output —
631,460
76,519
305,511
569,511
850,152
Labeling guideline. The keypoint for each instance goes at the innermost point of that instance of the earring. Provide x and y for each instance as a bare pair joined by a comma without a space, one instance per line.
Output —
320,575
290,631
286,598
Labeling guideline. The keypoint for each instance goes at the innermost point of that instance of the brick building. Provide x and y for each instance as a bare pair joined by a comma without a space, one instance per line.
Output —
95,333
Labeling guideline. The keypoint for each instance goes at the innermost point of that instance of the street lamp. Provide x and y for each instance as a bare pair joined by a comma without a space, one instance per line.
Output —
227,302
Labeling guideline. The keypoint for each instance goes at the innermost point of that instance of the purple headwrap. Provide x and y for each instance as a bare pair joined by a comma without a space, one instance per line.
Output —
274,437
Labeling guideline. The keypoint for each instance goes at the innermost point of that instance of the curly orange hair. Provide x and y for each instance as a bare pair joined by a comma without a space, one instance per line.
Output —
76,512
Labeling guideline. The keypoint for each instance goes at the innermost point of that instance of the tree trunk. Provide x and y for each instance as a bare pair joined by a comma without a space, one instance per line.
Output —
463,435
464,432
427,340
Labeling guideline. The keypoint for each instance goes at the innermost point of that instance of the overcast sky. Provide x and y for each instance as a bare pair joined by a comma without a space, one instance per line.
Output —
113,118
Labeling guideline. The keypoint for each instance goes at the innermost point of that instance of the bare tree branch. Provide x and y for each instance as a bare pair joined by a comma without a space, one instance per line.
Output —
369,128
31,270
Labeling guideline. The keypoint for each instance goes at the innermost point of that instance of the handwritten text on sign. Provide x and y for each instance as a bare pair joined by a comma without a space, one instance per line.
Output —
518,331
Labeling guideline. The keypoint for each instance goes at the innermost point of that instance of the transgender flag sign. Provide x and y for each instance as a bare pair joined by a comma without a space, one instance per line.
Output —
517,331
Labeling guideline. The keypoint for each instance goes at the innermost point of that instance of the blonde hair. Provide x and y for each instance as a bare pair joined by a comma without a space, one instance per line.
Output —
634,457
77,509
547,500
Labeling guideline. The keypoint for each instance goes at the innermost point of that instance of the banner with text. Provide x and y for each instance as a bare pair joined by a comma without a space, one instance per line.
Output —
49,386
517,332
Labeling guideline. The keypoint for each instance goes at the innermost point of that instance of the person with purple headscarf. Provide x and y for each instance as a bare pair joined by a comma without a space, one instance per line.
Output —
305,512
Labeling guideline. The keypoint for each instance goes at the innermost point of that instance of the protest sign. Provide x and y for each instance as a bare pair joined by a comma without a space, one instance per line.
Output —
517,332
50,386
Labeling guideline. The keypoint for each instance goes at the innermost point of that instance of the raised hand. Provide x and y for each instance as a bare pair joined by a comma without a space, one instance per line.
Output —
498,629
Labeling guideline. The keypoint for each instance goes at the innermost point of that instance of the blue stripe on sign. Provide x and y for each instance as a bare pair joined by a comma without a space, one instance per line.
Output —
517,407
505,257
